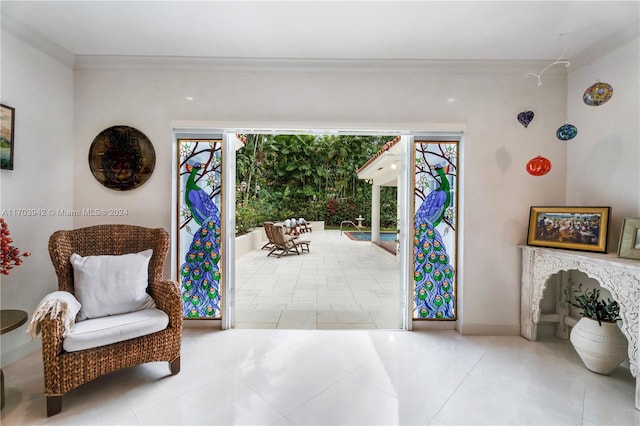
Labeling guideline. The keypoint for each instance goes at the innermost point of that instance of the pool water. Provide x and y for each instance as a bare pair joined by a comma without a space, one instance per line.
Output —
366,236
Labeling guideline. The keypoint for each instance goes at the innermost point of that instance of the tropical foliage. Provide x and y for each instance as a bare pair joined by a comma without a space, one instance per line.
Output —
310,176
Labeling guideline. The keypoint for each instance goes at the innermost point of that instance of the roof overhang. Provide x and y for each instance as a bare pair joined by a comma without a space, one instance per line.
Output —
383,168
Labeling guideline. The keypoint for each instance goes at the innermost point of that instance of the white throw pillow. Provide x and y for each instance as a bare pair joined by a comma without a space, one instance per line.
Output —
110,285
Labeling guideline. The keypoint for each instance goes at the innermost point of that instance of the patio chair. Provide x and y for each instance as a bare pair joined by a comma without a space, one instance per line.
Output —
304,225
271,243
268,230
291,227
285,245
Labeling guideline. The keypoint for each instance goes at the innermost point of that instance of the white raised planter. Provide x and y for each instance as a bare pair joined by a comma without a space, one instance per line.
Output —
250,241
318,225
601,347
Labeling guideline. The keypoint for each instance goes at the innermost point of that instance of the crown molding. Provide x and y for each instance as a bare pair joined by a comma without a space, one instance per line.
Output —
162,63
322,128
36,40
605,46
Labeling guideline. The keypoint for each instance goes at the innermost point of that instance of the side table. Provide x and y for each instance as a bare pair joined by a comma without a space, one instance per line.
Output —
10,319
620,276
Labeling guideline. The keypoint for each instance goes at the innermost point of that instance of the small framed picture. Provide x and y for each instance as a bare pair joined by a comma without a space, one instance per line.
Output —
629,246
7,125
572,228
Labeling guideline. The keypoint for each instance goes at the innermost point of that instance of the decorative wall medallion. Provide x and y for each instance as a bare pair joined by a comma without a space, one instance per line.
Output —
597,94
525,118
121,158
538,166
566,132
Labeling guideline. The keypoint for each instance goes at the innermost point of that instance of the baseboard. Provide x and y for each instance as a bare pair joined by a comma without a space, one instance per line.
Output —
20,352
433,325
489,329
202,323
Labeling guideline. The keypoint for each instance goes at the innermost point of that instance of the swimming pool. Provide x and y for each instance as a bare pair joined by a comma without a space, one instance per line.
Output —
366,235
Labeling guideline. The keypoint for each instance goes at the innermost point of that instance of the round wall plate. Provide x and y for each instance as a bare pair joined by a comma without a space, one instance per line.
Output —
597,94
538,166
567,132
121,158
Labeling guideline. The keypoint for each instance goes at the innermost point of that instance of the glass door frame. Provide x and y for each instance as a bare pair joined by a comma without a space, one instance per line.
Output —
405,192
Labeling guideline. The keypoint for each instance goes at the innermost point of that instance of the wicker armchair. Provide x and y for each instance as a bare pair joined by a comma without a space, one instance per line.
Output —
64,371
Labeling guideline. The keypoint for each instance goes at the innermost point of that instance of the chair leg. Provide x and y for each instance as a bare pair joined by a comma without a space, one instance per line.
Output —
54,405
174,366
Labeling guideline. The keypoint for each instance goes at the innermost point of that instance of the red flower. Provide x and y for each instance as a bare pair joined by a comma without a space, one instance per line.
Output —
10,254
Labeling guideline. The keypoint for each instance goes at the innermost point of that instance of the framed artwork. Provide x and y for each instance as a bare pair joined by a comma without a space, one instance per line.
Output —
199,231
435,236
7,123
629,246
572,228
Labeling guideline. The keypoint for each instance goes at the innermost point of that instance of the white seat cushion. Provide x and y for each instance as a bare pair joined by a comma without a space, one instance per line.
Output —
96,332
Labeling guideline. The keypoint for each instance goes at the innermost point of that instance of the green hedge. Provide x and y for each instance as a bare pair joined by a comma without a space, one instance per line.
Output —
278,206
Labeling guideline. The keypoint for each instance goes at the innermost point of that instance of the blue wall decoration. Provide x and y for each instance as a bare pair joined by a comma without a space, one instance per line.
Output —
566,132
525,117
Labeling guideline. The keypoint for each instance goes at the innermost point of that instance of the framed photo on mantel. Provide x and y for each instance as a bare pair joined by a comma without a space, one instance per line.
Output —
572,228
629,246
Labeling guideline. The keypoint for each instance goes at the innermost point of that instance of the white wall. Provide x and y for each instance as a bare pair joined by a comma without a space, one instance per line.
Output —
41,91
58,114
603,160
497,190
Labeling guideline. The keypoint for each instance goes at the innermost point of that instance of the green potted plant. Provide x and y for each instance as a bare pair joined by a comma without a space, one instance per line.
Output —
597,337
591,306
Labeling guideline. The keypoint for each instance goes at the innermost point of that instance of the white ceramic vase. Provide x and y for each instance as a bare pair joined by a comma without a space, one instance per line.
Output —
601,347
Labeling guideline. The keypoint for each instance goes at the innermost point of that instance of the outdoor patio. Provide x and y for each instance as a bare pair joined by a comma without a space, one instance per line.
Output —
341,283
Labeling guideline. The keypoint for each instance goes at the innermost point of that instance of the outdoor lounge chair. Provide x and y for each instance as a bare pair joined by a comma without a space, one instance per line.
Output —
291,227
284,244
271,242
267,230
304,225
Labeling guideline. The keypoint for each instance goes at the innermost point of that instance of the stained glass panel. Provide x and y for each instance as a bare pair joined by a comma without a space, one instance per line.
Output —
435,236
199,189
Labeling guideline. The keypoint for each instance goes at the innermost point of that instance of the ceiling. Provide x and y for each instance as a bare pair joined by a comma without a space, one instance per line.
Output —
395,30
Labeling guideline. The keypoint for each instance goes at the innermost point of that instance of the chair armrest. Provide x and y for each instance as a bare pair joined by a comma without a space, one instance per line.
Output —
168,299
52,330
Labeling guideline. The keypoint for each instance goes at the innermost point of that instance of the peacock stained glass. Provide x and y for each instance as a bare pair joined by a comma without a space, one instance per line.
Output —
435,237
199,184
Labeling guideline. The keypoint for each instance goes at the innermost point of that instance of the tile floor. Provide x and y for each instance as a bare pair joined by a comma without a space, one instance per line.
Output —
341,283
335,377
340,377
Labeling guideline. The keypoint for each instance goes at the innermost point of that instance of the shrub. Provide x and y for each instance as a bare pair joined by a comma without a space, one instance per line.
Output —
246,218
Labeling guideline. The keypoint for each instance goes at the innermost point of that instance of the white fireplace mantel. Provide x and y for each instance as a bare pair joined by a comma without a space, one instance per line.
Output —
620,276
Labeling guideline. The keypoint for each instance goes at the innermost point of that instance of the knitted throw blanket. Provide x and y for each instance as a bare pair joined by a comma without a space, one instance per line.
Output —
53,304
